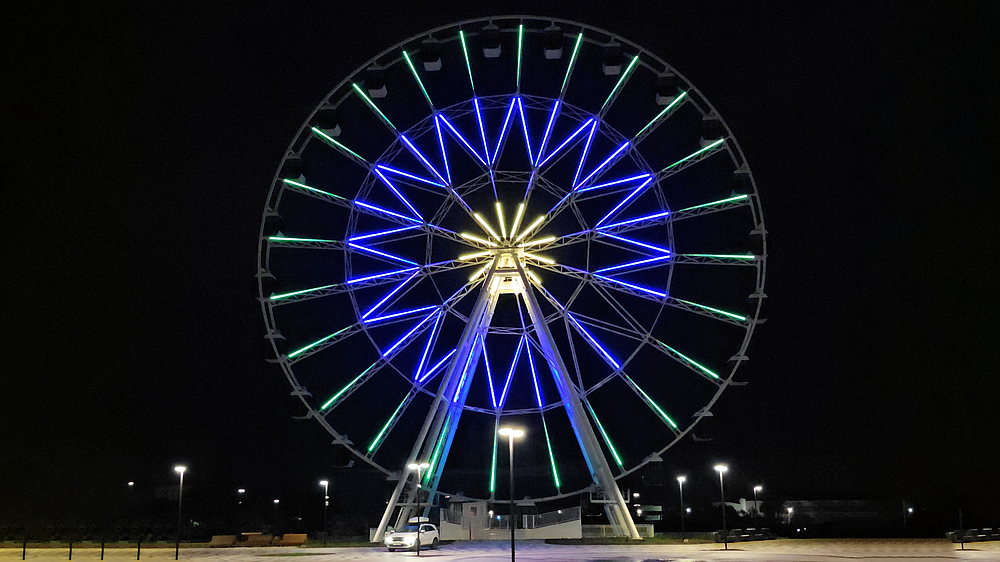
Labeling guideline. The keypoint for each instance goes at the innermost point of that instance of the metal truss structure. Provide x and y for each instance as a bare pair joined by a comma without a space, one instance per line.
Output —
532,193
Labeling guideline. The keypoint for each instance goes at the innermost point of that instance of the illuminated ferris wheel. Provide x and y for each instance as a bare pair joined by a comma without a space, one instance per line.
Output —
512,220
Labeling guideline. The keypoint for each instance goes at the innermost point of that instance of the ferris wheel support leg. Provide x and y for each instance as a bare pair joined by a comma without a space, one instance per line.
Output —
442,408
617,511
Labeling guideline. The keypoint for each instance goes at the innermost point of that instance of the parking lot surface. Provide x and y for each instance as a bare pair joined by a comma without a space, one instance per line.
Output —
782,550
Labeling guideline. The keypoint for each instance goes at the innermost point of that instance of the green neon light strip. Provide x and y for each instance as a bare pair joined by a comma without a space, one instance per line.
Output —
720,202
655,406
286,239
572,61
715,310
381,434
468,65
317,342
493,470
303,291
437,451
621,80
306,187
552,458
723,256
690,361
520,43
666,110
349,385
604,434
372,105
693,155
334,143
416,77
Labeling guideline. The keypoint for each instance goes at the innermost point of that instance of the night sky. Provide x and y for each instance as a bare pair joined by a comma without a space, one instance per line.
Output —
143,140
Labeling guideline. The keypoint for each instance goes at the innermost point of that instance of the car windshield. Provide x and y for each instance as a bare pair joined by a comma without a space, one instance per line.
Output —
407,529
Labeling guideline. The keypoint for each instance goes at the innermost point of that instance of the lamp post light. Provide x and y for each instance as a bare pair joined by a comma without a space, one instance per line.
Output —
756,506
418,467
179,469
326,506
680,484
790,510
510,434
722,468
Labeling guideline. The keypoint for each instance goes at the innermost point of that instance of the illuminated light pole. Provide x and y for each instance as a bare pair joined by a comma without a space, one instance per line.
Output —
721,469
179,469
756,506
510,434
790,510
418,467
326,505
680,484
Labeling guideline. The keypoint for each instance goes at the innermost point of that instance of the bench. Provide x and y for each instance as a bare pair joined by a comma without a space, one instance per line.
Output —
257,539
290,539
222,540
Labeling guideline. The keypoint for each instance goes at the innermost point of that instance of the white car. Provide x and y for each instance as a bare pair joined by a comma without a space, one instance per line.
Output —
406,537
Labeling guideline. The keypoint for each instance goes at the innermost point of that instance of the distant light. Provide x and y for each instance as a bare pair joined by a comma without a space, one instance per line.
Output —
511,432
682,479
276,502
638,512
180,468
241,491
758,488
635,494
414,466
721,468
790,510
324,482
131,483
909,510
688,510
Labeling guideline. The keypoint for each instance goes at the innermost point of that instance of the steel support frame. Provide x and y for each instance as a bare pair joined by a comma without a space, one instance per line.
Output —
442,419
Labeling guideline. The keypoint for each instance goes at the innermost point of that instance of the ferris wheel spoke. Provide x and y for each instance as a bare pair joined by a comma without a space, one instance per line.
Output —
552,457
686,361
339,146
311,243
371,104
416,77
503,132
717,259
707,311
571,65
604,435
389,295
377,366
660,413
726,204
617,89
468,63
692,159
383,433
659,119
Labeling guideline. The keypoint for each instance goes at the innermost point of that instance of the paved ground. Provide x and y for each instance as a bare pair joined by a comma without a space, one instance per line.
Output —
782,550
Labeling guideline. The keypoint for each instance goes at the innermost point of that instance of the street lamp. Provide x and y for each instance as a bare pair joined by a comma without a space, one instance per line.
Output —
418,467
756,506
721,468
326,505
790,510
680,484
179,469
511,433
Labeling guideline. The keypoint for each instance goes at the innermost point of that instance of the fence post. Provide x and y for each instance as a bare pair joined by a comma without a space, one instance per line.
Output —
138,546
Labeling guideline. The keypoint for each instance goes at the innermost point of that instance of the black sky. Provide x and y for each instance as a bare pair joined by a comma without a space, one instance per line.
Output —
143,139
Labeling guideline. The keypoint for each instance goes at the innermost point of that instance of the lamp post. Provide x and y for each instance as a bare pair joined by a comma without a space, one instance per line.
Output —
510,434
680,484
722,468
790,510
756,506
418,467
326,506
179,469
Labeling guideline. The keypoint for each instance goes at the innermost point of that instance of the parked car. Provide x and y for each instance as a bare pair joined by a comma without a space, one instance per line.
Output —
406,537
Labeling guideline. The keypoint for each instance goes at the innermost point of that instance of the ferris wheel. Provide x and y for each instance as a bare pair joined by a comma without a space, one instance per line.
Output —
513,220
